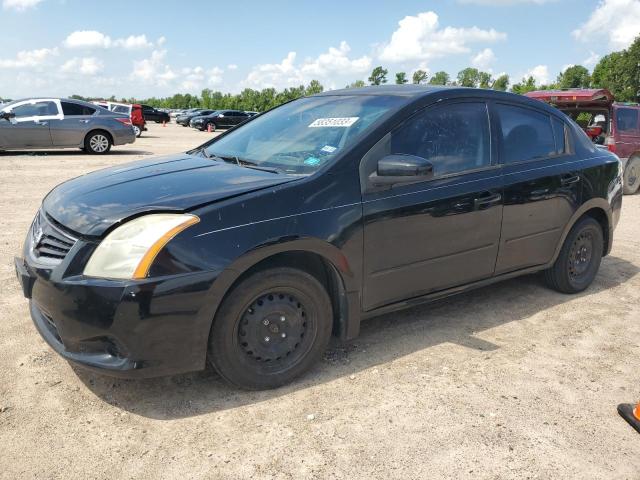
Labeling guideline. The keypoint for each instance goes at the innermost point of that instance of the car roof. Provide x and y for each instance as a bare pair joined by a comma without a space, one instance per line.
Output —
409,90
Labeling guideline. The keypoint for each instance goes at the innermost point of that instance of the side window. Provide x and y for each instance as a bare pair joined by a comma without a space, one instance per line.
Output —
73,109
627,119
559,132
37,109
526,134
454,137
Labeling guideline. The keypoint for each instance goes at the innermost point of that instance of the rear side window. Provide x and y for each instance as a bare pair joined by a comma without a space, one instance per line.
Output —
627,119
560,136
526,134
454,138
71,109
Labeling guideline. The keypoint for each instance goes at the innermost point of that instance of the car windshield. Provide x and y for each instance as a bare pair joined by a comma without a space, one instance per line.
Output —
301,136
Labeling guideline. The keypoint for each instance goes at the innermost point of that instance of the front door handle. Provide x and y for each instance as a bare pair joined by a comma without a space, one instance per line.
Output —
570,179
487,201
44,124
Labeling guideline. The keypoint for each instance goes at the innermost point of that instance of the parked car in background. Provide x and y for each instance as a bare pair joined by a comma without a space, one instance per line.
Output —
186,117
250,113
219,119
135,112
606,122
46,123
154,115
379,198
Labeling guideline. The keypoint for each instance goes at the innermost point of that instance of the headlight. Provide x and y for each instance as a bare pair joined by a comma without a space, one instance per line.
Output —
129,251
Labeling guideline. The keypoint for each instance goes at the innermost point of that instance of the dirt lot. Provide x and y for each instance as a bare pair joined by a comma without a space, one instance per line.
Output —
511,381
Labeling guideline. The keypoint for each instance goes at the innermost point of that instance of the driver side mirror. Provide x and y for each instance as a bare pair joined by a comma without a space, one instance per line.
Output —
7,115
221,115
398,168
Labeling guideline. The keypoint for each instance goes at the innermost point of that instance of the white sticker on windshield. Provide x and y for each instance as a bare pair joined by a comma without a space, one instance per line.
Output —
328,149
334,122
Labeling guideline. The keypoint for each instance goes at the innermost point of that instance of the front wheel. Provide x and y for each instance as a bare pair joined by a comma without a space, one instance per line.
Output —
271,328
631,176
97,143
579,259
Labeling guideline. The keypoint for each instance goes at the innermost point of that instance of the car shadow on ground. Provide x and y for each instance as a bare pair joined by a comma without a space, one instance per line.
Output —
78,152
382,339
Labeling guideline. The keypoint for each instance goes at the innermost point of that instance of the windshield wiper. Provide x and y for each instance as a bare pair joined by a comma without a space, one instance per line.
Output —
243,163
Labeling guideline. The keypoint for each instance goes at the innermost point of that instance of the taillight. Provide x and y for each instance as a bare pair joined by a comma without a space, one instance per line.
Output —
126,121
611,144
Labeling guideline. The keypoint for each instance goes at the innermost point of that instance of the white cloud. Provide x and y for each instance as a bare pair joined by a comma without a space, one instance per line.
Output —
29,58
540,73
133,42
161,41
484,59
19,5
85,66
420,38
616,20
505,3
232,66
87,39
325,67
94,39
591,60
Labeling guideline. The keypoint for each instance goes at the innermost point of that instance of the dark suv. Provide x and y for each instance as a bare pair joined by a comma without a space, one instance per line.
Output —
219,119
154,115
252,249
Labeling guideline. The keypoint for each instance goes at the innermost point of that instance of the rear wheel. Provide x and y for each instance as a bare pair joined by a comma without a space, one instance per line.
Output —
137,130
97,143
579,260
632,176
270,329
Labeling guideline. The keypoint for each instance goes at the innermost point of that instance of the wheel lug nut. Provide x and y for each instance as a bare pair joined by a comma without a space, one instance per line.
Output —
284,335
265,321
266,339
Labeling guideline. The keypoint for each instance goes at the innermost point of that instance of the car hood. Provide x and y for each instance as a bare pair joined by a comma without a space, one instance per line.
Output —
91,204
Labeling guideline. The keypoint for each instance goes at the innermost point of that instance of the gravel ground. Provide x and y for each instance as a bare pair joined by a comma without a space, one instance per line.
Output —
510,381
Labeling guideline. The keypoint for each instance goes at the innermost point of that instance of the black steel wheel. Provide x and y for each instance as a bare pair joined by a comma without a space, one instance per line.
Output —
579,259
272,327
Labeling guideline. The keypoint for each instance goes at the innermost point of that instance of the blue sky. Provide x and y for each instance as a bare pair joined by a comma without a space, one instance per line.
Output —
61,47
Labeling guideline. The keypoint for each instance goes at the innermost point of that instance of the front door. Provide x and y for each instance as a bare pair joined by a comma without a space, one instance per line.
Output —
30,126
441,233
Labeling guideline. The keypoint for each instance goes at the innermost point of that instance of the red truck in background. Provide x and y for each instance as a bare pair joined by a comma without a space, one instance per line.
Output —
612,124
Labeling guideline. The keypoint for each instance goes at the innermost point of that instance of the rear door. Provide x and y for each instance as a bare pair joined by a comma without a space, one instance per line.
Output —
436,234
542,185
30,127
71,129
626,130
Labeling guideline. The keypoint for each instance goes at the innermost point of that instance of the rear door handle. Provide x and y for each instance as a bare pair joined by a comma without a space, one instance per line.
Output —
83,121
570,179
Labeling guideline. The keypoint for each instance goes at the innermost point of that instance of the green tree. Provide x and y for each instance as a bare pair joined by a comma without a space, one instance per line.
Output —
526,85
314,87
401,78
419,76
357,84
469,77
378,76
501,83
484,80
440,78
576,76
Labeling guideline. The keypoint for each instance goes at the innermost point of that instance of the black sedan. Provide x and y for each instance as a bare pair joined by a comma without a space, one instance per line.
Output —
219,119
154,115
186,117
252,249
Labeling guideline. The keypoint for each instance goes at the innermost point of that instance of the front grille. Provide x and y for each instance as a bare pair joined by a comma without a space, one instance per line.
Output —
49,241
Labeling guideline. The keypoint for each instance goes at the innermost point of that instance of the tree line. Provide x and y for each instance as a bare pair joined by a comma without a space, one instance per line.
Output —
618,72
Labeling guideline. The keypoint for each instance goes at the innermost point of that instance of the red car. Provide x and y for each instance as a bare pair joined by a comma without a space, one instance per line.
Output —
606,122
134,111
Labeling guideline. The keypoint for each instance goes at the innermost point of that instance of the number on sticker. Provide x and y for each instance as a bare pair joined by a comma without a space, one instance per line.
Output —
334,122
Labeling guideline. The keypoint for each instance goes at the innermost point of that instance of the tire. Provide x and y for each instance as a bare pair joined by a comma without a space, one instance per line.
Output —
579,259
97,143
213,127
137,130
271,328
631,180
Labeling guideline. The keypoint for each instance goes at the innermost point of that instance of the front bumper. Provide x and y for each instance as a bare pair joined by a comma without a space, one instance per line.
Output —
131,329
